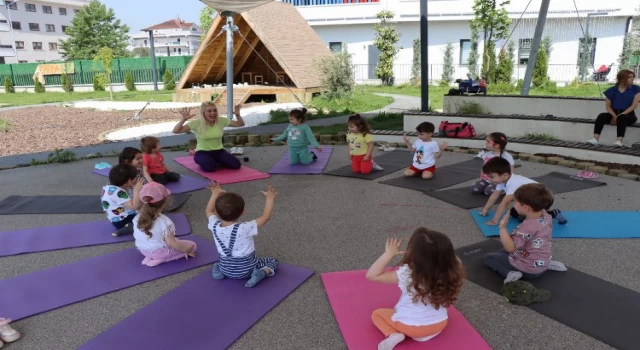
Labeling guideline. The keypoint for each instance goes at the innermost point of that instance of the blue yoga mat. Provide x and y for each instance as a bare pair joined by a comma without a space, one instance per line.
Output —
581,224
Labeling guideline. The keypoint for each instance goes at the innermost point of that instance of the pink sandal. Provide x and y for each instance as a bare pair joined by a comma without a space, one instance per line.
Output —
585,174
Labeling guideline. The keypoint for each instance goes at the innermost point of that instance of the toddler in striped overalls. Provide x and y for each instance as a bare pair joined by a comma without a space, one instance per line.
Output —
234,240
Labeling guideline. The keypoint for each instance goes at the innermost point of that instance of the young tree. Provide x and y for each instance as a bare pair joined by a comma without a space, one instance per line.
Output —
585,60
545,44
98,84
141,52
67,84
385,40
169,83
104,57
128,81
207,14
505,64
447,71
92,28
492,19
473,54
38,87
631,46
336,72
416,65
540,69
8,86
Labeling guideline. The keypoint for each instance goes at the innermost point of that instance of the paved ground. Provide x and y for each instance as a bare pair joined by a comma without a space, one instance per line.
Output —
326,223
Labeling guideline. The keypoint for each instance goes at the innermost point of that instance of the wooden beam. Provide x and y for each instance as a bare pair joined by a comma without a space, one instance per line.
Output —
246,55
236,47
195,60
213,61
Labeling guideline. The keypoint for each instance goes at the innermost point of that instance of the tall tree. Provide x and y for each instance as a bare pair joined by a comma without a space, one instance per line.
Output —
385,40
631,46
416,65
492,19
504,71
473,54
95,26
447,71
207,14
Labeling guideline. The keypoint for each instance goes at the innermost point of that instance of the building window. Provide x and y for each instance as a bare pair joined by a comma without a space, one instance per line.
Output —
179,51
22,61
64,29
53,46
13,6
335,47
34,27
50,28
47,9
524,48
465,50
62,11
75,10
19,45
30,7
591,46
40,61
37,45
145,42
16,25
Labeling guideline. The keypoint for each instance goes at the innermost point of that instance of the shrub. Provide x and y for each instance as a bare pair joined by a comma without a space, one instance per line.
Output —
98,83
128,82
38,87
337,74
169,83
540,69
8,86
67,84
502,88
471,108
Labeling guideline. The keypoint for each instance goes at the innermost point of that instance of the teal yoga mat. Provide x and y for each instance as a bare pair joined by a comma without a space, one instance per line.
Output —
581,224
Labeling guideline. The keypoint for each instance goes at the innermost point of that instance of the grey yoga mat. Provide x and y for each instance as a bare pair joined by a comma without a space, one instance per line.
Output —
555,181
81,204
390,162
600,309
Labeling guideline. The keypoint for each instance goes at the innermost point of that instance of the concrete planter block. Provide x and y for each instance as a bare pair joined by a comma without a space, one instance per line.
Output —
537,159
633,177
316,135
617,172
599,169
228,145
567,163
473,151
524,156
325,138
265,138
253,139
584,165
229,139
460,150
402,145
342,136
242,139
554,160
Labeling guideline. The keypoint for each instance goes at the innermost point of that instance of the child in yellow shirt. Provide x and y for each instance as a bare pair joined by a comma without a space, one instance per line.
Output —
360,145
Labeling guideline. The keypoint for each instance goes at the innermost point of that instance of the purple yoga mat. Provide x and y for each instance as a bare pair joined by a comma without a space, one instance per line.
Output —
283,166
185,184
41,239
45,290
202,313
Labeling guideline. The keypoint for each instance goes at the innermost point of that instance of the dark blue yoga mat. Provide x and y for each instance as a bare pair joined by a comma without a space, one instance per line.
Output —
45,290
41,239
581,224
202,313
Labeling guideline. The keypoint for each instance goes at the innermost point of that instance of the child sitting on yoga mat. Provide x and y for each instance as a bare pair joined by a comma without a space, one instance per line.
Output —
7,333
132,156
429,277
154,232
299,136
153,165
360,145
425,151
500,173
234,240
495,144
527,250
121,206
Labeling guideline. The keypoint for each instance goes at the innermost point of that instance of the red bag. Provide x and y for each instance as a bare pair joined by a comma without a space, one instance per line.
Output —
456,130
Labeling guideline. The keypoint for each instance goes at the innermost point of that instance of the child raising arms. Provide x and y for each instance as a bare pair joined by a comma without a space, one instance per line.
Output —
430,277
234,240
154,232
425,151
496,144
153,165
299,136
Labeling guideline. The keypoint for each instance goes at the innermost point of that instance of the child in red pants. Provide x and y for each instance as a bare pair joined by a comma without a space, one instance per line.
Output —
360,145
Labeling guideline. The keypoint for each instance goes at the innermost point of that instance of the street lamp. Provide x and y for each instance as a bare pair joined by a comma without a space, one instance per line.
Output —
13,35
585,44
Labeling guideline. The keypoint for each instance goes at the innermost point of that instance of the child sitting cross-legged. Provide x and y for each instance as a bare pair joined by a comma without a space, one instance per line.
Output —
153,166
120,205
425,152
234,240
430,277
527,250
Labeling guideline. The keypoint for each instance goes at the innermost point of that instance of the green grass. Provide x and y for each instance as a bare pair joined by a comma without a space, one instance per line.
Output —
539,137
328,108
4,125
26,98
436,93
383,121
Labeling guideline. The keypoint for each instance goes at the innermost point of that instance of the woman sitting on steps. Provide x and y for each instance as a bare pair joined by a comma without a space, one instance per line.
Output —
621,101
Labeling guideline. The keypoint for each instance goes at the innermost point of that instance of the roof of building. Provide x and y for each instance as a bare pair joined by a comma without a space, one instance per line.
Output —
175,23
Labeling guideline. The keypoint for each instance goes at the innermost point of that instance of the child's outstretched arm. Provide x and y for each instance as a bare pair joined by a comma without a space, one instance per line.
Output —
376,272
173,243
441,149
270,193
507,242
408,142
500,210
311,138
216,190
283,136
490,202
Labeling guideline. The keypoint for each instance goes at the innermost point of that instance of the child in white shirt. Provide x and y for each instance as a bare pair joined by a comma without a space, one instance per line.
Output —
155,233
234,240
425,150
495,144
117,202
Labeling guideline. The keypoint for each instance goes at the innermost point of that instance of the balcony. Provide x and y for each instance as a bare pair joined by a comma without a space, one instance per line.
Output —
4,26
324,2
6,51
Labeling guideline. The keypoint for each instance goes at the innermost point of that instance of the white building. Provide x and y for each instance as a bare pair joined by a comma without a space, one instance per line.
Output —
171,38
351,22
34,28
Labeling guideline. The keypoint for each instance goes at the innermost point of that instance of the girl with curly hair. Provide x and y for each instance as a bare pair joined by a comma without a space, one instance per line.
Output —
430,277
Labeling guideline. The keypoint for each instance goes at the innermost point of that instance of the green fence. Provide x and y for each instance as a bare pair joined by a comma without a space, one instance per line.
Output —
141,69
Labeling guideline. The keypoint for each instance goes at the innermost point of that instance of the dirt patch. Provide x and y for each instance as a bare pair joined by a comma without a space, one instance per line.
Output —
42,129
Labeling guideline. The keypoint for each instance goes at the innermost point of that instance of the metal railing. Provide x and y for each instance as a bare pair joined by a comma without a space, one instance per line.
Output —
86,78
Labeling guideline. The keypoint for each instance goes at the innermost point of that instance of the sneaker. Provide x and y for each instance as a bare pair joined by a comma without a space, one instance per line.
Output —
388,148
593,142
126,230
8,334
239,151
216,273
256,276
618,144
314,156
377,167
233,150
559,216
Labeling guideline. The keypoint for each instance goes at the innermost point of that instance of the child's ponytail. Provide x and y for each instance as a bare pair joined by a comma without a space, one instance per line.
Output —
299,114
499,139
148,214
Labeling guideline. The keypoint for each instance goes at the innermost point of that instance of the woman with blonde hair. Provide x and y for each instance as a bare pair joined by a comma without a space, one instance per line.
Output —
621,101
209,129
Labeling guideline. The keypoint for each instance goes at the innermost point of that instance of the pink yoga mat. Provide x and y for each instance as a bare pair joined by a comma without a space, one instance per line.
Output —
353,298
223,176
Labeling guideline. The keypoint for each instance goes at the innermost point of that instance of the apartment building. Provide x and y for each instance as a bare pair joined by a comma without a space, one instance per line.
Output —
31,30
174,37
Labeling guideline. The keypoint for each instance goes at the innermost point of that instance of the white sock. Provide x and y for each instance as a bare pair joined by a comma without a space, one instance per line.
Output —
557,266
513,276
391,341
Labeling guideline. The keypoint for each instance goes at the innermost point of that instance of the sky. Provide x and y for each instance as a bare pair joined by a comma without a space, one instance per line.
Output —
138,14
